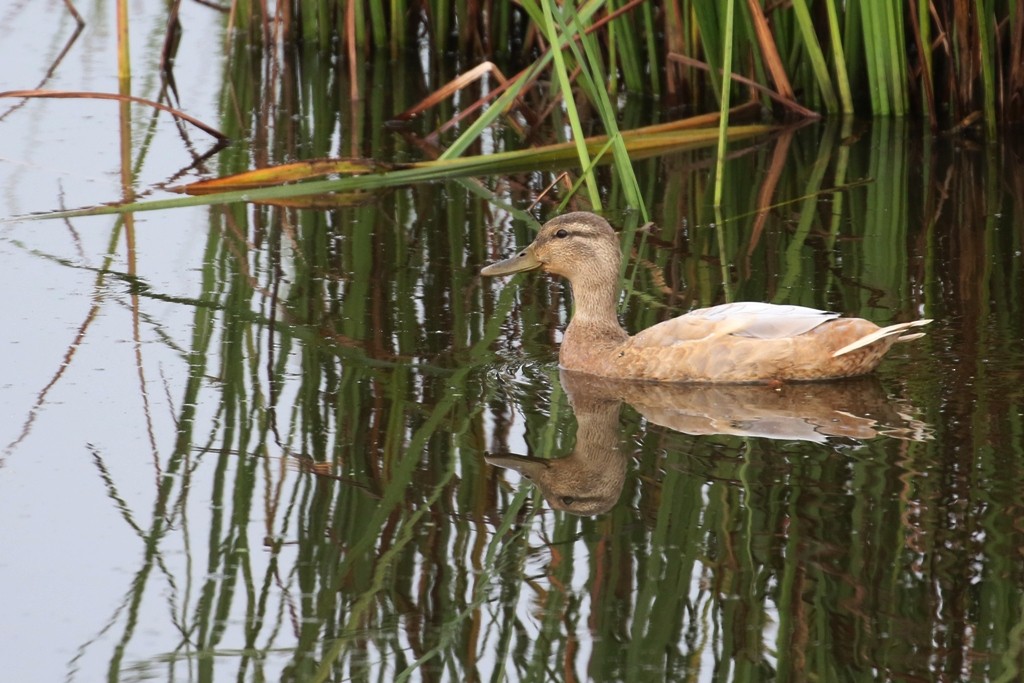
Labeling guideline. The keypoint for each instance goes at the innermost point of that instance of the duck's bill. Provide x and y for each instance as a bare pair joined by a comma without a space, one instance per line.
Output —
527,465
522,261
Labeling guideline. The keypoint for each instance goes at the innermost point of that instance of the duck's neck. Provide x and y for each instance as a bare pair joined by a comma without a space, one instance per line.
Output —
594,327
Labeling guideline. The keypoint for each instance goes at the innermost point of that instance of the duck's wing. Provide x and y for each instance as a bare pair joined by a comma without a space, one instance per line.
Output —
743,319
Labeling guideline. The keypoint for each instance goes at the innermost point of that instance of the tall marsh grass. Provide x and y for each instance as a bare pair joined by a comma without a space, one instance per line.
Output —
944,62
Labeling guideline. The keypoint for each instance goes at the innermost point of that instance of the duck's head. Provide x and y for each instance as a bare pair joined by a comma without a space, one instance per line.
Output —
574,245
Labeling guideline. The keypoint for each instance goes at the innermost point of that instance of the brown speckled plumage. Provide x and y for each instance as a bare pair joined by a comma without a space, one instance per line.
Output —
739,342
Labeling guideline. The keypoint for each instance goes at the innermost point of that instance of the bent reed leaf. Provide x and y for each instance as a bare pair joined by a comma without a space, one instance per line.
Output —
288,173
639,143
72,95
635,143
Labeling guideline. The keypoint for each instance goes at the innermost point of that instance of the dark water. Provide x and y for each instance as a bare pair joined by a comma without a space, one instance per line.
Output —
274,443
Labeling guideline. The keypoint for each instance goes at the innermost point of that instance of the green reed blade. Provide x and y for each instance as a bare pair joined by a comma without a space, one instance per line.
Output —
853,45
624,42
872,30
614,57
323,26
839,59
565,85
440,11
924,30
986,20
591,78
814,53
397,35
723,121
379,25
896,56
710,32
500,29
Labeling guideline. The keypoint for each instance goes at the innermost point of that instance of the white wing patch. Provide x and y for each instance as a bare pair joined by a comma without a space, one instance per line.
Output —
742,319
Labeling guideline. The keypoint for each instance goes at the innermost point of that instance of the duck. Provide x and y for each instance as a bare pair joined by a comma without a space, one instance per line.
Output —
740,342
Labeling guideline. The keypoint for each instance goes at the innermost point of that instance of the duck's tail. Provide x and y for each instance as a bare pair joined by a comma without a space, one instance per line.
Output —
896,330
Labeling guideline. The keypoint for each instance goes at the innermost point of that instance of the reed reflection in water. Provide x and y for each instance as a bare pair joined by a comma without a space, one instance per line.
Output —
324,511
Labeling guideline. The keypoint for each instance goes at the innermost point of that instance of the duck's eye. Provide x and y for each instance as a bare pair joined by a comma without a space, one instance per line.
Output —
562,234
568,500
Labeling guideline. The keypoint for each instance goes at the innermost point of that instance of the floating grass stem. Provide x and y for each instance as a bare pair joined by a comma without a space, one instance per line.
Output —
723,123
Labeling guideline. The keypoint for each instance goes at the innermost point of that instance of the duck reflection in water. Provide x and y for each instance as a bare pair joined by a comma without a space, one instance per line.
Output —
590,479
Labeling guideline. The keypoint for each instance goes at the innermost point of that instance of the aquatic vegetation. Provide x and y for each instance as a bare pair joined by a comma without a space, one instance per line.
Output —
298,457
944,62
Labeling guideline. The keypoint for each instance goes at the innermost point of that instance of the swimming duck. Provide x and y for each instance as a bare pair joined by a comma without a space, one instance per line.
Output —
737,342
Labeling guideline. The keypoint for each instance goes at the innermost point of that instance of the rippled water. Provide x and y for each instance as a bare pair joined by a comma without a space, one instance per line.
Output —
257,442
